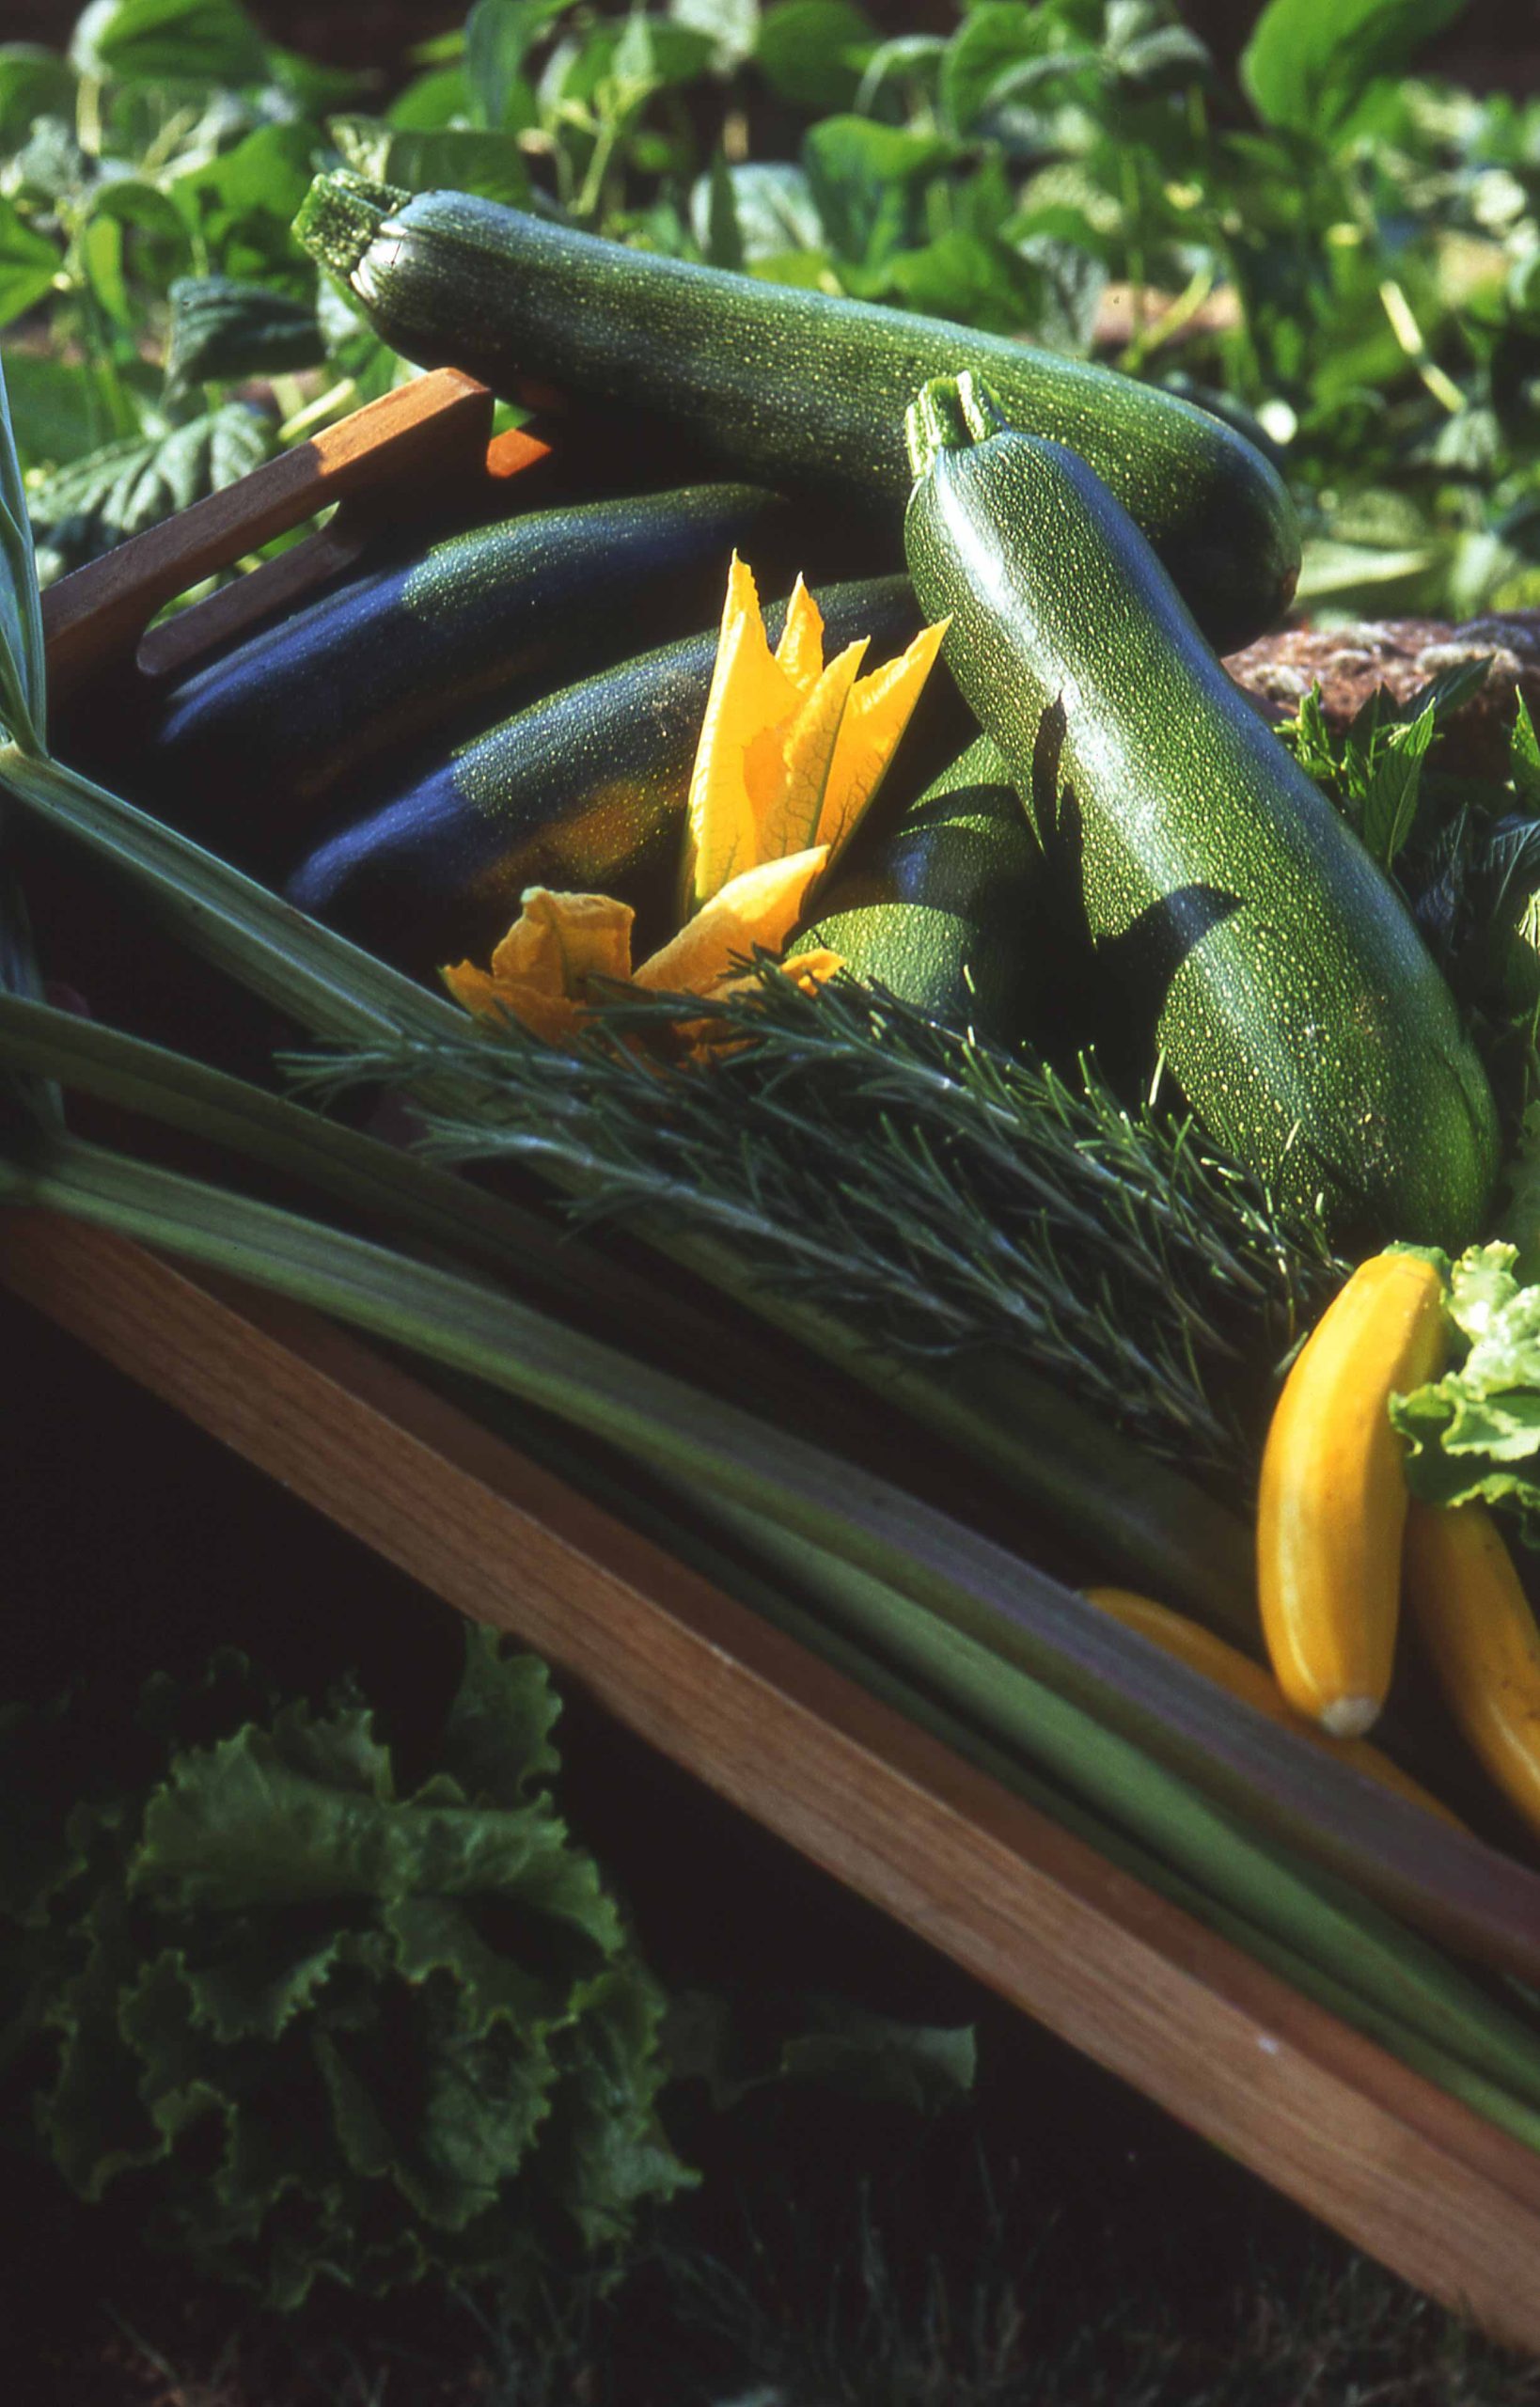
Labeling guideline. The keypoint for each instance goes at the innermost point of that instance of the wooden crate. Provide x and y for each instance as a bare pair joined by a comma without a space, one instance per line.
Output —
1325,2115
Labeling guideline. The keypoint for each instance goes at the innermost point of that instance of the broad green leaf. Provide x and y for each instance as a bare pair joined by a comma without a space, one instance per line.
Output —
56,410
499,34
731,26
1308,62
868,184
462,158
964,277
913,60
773,209
242,204
94,503
438,97
29,262
1068,281
985,57
211,41
221,328
812,51
34,82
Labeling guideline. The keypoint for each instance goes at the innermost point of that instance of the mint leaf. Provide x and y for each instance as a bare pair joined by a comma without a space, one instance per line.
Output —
1524,758
1389,796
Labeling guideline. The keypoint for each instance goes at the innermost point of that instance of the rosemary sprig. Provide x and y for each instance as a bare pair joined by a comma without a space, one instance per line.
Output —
935,1196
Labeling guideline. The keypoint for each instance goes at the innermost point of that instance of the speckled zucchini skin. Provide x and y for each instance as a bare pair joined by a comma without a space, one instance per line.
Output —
583,792
250,746
1275,967
791,384
937,903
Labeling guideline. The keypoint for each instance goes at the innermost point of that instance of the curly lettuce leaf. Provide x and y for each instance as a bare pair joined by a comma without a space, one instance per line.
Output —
308,2022
1476,1433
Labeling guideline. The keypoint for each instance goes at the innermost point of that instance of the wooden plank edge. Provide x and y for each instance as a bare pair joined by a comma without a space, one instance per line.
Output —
423,428
1383,2156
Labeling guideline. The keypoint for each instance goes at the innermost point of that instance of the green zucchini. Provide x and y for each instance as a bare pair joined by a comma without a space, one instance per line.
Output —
584,792
1266,956
787,382
250,749
936,902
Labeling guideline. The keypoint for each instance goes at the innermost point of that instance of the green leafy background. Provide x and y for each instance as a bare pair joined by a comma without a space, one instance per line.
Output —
1338,251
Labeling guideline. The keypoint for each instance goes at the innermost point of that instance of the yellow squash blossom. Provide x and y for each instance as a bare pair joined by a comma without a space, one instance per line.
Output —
790,754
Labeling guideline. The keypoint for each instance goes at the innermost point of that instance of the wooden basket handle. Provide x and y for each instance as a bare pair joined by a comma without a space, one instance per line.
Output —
433,430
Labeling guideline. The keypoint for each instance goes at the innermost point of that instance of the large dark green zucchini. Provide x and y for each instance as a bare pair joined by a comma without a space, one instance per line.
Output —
250,747
789,384
583,792
1272,962
937,903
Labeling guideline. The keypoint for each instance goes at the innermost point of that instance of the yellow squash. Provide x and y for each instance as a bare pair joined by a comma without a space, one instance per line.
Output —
1332,1503
1477,1625
1230,1669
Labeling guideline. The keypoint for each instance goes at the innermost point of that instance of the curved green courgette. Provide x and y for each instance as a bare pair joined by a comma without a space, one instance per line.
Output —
789,384
1272,965
936,904
251,748
585,791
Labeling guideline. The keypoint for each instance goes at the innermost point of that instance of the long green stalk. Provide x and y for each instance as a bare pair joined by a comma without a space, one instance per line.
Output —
396,1188
1314,1915
328,986
1141,1518
1439,1878
1494,2066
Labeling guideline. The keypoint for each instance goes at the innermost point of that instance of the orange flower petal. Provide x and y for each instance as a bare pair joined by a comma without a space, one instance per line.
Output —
559,939
553,1017
543,964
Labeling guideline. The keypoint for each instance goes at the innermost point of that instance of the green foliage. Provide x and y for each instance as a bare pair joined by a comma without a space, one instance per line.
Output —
1309,63
1337,250
1464,850
94,503
222,329
307,2020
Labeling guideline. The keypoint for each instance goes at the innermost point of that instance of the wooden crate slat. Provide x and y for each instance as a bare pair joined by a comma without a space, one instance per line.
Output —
1384,2156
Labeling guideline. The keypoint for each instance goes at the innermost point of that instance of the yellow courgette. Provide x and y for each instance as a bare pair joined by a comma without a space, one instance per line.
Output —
1235,1672
1477,1624
1333,1501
